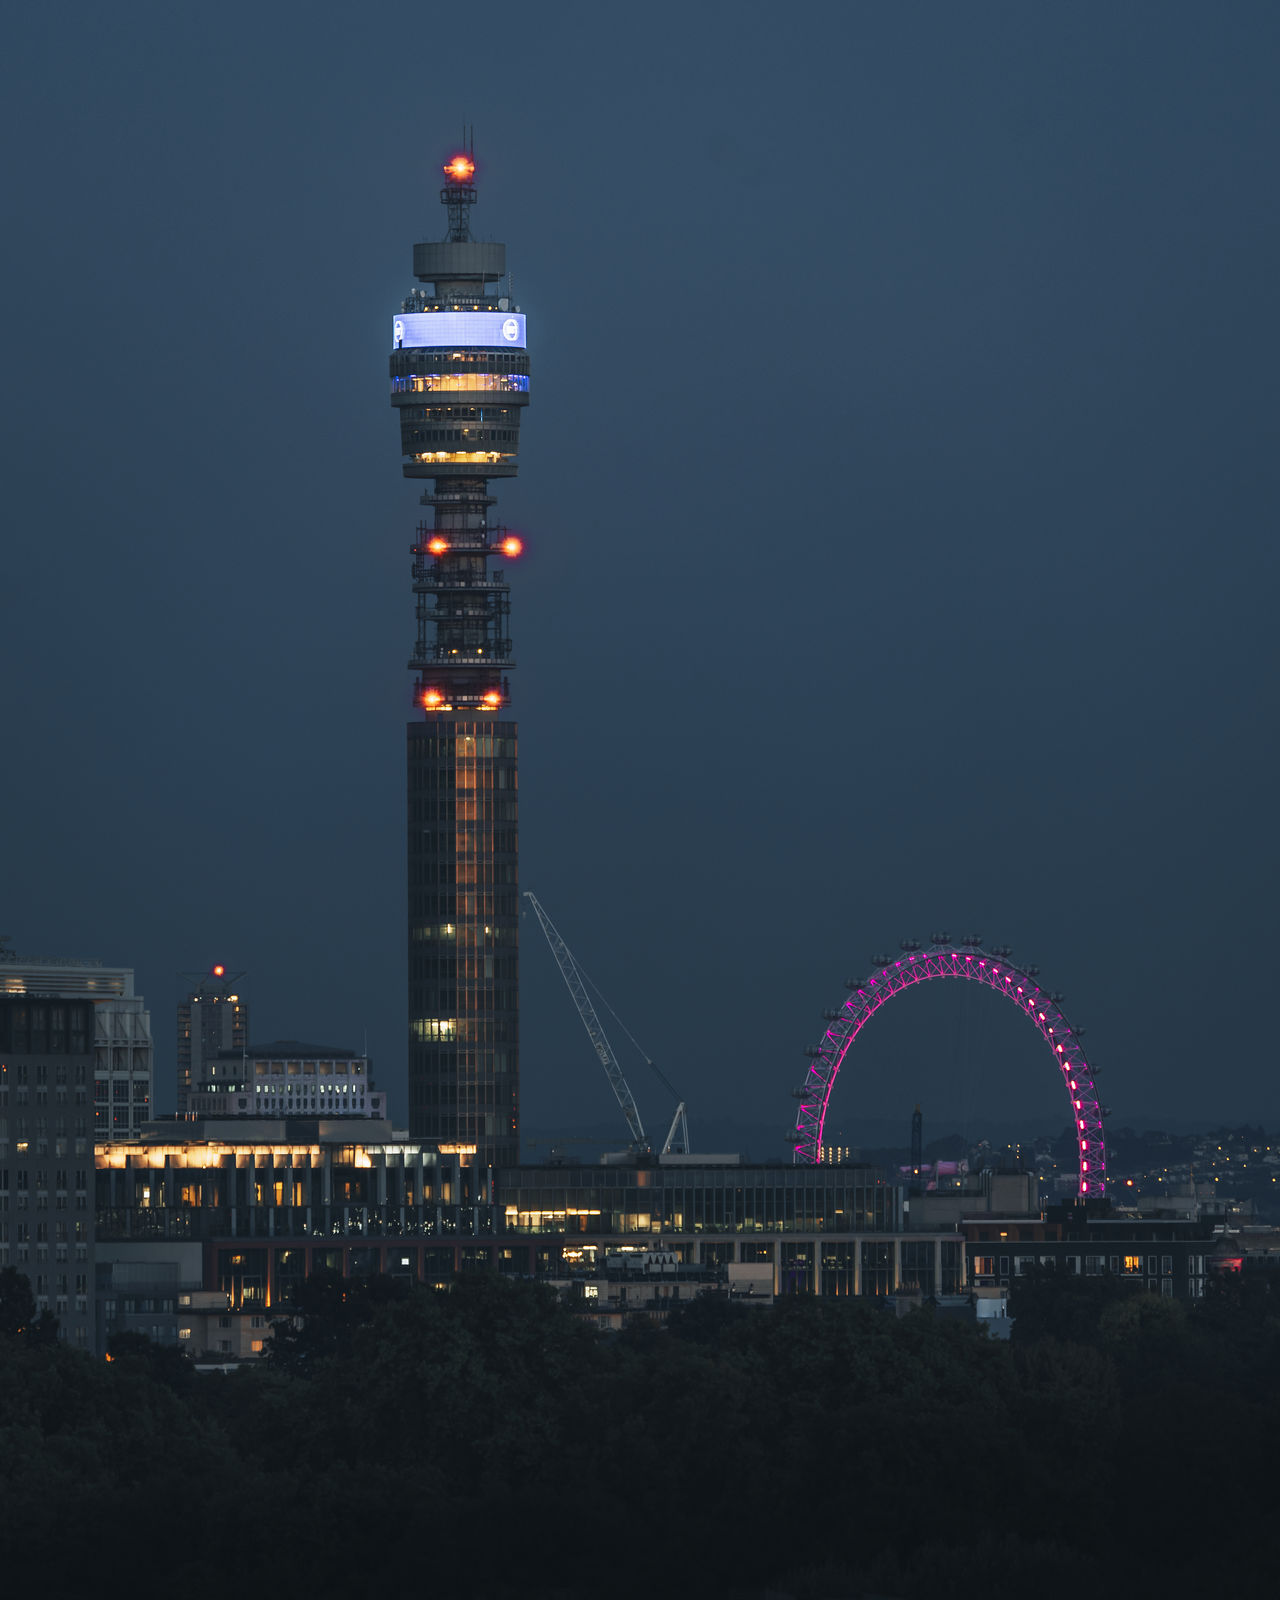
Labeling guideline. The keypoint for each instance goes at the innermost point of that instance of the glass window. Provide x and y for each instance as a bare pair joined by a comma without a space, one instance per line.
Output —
877,1267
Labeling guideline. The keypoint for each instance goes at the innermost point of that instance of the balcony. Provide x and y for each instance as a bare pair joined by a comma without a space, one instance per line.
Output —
431,580
498,651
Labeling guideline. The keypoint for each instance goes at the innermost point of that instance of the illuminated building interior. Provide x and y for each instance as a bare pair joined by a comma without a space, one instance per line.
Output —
287,1079
459,382
261,1210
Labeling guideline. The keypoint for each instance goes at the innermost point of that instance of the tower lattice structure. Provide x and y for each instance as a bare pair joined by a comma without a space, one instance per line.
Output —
460,381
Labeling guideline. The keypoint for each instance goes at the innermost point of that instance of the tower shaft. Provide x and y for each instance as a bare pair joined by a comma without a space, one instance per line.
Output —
460,381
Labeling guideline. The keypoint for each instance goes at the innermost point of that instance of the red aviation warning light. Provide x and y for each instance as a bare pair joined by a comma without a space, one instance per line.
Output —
432,698
219,971
437,546
511,545
492,697
460,169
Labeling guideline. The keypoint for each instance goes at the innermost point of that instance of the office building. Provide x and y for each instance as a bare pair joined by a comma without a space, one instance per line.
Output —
828,1230
267,1202
123,1050
46,1153
213,1019
206,1227
1168,1256
459,381
287,1078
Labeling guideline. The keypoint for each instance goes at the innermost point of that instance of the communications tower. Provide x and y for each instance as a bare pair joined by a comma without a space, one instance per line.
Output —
460,380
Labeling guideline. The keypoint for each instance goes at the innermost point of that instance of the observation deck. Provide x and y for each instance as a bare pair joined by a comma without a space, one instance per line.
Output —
459,371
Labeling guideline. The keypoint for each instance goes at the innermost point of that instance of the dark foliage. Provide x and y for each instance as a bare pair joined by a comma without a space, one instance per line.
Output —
484,1442
17,1304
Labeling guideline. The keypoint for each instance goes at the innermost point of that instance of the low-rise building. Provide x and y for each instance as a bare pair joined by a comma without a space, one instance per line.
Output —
287,1079
1165,1256
266,1202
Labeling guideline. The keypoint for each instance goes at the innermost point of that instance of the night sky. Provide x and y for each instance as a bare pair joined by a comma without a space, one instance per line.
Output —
900,491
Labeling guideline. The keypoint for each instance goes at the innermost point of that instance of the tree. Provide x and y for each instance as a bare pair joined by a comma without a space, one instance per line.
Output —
167,1364
17,1303
327,1311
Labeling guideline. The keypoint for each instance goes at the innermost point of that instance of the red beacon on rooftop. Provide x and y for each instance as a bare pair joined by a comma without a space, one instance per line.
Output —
460,169
219,971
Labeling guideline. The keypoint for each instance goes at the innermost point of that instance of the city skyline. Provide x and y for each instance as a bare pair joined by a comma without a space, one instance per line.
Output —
914,398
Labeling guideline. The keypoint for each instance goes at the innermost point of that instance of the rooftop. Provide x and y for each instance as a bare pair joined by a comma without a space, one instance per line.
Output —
293,1050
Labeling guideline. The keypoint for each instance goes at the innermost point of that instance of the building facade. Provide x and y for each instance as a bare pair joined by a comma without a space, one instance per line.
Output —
1168,1256
268,1203
828,1230
245,1208
459,382
47,1154
123,1049
213,1021
287,1078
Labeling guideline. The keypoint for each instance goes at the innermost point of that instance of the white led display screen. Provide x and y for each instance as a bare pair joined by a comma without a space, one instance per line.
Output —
433,330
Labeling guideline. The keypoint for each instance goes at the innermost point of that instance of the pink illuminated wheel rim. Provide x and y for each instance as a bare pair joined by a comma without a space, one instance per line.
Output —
975,965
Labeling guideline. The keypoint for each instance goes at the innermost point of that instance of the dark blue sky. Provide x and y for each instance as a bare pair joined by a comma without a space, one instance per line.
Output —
900,487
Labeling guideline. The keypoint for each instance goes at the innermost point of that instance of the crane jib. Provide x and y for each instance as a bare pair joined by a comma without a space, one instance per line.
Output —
576,983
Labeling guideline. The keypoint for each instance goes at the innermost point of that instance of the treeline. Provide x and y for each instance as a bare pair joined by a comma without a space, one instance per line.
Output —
485,1442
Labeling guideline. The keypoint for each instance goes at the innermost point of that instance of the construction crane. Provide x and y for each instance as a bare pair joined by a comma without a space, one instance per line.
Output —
677,1140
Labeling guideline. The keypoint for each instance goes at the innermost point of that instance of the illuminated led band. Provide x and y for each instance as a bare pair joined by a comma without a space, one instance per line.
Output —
493,457
978,967
461,382
433,330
